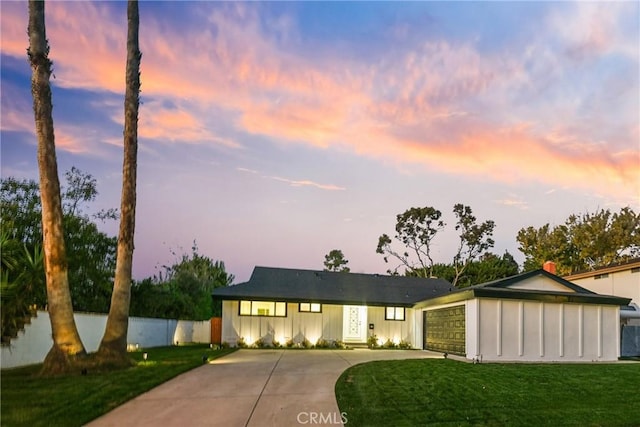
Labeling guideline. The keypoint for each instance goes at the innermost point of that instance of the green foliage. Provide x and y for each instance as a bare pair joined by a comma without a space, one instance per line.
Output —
183,291
583,242
75,400
474,239
90,252
329,344
446,392
486,269
335,261
372,341
21,285
388,344
416,229
404,345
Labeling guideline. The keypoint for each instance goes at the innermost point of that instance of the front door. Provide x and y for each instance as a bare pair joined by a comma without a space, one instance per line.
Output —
355,323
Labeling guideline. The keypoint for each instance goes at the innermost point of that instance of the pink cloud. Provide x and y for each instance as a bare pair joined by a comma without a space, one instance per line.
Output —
442,105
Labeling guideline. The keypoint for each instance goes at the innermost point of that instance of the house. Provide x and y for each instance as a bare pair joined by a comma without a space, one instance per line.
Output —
534,316
622,279
286,304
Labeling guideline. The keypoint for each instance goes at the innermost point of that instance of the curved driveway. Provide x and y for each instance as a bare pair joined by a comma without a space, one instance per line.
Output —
252,388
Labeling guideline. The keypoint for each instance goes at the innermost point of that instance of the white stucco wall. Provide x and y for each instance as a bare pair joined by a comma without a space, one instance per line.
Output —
513,330
620,283
34,342
312,326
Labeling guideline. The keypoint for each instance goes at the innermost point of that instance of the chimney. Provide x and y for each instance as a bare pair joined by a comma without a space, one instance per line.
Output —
549,267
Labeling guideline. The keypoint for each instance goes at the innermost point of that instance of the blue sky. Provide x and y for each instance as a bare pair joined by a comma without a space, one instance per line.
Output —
271,133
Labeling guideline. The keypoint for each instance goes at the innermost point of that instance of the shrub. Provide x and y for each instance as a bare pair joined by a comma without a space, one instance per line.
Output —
339,344
240,343
372,341
389,344
404,345
322,343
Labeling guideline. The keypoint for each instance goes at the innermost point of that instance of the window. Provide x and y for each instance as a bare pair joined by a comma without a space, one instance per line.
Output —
635,270
263,308
310,307
394,313
600,276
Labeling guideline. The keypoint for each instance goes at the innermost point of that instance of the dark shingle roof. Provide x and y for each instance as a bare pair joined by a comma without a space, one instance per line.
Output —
326,287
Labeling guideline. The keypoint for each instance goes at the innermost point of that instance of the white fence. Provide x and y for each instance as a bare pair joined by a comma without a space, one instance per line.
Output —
32,345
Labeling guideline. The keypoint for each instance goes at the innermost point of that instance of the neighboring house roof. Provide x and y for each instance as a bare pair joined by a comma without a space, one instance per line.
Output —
289,285
562,291
612,268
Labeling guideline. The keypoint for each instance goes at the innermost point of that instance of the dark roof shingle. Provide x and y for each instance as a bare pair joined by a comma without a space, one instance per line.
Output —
326,287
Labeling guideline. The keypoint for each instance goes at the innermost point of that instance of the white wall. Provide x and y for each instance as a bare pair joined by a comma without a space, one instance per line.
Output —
296,326
513,330
32,345
395,330
312,326
620,283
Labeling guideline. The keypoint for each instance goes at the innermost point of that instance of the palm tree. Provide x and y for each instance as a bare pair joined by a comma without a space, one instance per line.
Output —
113,346
66,340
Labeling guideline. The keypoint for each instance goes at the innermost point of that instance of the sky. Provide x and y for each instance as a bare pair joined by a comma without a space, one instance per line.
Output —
271,133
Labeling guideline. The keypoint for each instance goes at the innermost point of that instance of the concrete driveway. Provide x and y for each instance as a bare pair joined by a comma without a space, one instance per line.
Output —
252,388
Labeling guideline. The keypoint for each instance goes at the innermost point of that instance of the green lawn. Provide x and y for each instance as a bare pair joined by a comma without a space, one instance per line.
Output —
450,393
27,400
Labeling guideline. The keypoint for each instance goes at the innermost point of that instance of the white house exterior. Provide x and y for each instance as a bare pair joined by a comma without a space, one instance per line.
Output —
346,323
532,317
286,305
621,280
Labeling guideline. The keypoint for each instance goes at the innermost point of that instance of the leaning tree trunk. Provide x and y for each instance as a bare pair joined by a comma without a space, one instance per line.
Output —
113,347
66,340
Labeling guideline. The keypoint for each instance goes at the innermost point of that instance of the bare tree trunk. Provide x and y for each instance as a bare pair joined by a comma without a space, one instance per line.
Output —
66,340
113,347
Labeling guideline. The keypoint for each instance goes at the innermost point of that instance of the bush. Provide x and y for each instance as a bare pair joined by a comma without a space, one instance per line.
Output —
322,343
389,344
372,341
404,345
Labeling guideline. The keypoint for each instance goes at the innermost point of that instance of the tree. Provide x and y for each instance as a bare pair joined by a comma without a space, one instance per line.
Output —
583,242
335,261
22,275
487,268
183,290
475,239
67,344
415,229
113,346
90,252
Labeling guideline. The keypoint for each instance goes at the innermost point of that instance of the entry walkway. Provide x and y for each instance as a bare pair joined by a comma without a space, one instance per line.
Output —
253,388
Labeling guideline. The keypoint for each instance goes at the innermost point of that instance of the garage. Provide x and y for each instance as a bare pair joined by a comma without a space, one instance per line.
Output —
444,330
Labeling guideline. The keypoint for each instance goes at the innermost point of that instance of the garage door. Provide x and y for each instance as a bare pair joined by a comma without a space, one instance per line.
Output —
444,330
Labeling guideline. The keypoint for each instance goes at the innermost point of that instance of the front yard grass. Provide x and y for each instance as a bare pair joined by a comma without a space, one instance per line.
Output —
28,400
449,393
